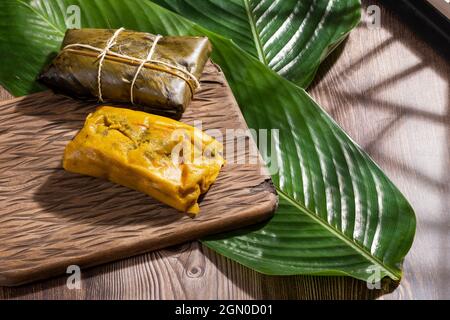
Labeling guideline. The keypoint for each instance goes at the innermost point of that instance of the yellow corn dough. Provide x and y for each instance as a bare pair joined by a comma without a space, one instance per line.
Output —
166,159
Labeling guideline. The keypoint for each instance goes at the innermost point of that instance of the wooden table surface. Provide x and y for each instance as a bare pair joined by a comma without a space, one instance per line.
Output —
389,89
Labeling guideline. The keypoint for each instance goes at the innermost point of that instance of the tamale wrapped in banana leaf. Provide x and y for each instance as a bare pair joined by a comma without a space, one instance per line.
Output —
166,159
159,73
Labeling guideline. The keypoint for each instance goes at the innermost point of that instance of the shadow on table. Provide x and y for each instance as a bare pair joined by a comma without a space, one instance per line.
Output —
424,124
111,280
260,286
182,266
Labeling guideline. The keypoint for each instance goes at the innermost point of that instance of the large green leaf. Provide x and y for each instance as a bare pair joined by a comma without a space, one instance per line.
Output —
339,214
292,37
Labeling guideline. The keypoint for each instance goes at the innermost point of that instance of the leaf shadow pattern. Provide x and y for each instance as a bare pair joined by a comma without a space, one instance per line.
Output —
406,104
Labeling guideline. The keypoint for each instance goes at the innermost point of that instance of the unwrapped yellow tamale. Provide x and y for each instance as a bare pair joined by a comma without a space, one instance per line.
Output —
166,159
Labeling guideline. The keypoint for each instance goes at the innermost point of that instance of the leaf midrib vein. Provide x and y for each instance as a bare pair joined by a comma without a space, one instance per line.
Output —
392,273
39,14
256,37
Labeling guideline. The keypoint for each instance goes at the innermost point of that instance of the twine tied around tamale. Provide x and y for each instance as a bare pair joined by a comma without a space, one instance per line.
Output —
106,51
149,56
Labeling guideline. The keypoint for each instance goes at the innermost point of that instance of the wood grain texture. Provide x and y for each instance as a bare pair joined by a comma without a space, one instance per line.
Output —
389,89
51,219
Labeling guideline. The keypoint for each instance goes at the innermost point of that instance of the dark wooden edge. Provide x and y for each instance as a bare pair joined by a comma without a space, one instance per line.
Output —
425,20
252,216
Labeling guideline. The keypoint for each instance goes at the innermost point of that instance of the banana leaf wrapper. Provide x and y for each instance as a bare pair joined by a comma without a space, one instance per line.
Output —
158,89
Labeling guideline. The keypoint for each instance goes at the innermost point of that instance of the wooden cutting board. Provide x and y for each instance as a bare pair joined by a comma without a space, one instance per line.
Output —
50,218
